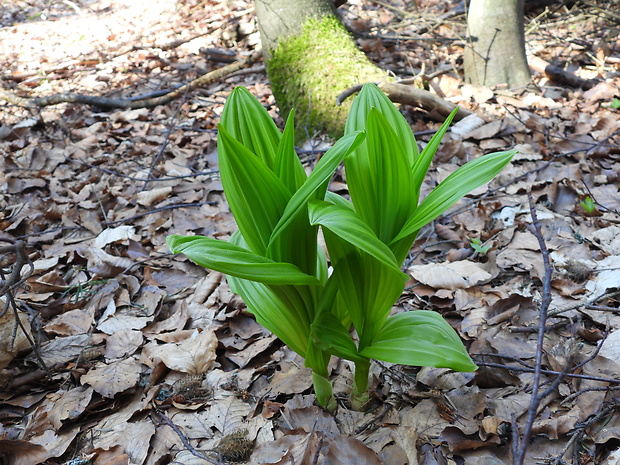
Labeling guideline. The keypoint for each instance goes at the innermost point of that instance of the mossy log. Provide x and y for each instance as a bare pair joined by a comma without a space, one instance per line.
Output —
311,59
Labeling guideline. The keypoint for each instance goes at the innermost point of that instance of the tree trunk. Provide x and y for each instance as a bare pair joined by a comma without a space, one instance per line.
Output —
495,53
310,59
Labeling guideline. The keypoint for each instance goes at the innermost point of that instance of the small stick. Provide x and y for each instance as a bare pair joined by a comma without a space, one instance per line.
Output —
167,421
520,444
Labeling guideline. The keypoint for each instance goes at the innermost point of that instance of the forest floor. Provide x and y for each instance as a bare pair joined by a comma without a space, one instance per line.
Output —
141,357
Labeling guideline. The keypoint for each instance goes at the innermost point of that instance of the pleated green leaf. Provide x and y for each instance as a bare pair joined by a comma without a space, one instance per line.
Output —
333,337
282,313
257,198
236,261
390,168
420,338
464,180
287,165
346,224
247,121
316,184
371,97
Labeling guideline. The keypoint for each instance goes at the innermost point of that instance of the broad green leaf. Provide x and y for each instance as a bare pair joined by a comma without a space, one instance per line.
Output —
336,199
420,338
332,337
288,322
421,163
346,224
236,261
254,193
316,184
464,180
246,120
367,288
287,165
392,187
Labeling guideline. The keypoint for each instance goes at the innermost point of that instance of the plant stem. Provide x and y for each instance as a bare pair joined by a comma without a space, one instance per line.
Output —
360,384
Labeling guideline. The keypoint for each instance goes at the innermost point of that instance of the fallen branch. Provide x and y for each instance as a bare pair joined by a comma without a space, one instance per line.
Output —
560,76
104,102
437,107
520,444
167,421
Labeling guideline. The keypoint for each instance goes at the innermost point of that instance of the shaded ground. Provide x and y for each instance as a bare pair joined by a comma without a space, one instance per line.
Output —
148,356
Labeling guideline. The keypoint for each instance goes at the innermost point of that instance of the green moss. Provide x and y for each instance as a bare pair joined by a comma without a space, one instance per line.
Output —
308,71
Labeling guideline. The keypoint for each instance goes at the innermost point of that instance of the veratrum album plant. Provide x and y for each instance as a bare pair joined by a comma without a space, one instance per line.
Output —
274,261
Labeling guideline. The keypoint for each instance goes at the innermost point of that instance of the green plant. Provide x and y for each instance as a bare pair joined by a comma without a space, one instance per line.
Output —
476,245
588,205
275,264
615,103
384,176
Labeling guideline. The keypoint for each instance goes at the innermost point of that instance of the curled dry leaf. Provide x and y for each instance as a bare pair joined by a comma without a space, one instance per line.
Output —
153,196
454,275
193,355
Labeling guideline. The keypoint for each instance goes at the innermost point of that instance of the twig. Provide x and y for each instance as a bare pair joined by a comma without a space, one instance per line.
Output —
162,148
9,283
409,95
578,433
167,421
157,210
520,443
546,372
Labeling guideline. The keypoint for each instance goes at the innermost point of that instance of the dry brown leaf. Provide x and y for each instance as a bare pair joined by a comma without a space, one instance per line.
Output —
63,349
134,439
346,451
17,452
153,196
453,275
70,406
123,343
112,378
12,338
194,355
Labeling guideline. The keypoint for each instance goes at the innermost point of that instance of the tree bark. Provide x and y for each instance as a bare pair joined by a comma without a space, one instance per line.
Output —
311,58
495,53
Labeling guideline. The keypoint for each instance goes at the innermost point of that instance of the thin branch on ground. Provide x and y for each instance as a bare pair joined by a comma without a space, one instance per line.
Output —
167,421
21,269
578,433
437,107
158,210
545,372
520,443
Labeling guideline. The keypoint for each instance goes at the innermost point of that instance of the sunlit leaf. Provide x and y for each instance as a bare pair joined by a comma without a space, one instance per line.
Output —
421,164
464,180
287,166
236,261
254,193
247,121
349,226
316,184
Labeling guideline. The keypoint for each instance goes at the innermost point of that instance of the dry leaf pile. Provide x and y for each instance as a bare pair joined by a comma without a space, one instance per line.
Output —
141,357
